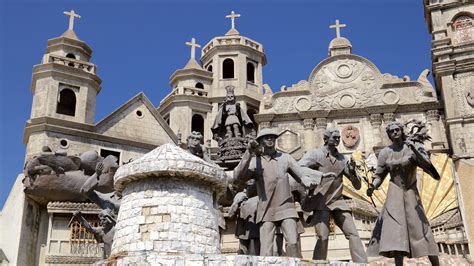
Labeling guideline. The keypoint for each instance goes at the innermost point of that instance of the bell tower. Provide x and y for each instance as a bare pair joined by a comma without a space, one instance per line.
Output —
65,85
451,24
236,61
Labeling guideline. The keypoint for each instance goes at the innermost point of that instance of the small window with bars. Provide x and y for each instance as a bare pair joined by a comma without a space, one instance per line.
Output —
83,242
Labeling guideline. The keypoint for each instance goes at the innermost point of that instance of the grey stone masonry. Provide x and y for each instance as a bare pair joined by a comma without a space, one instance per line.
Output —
218,260
169,205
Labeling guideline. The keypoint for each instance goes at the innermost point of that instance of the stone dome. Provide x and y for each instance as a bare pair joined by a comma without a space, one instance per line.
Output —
168,160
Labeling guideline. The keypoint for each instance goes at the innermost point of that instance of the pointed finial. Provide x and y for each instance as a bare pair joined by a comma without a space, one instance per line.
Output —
72,15
193,45
338,28
232,17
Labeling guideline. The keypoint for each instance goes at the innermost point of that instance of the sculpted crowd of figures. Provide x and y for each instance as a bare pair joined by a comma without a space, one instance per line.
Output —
266,206
264,184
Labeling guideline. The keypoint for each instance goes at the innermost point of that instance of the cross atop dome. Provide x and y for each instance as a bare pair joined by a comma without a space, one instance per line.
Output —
338,28
72,15
232,16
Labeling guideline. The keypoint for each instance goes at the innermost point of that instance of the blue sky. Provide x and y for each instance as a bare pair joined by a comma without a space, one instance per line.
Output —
138,44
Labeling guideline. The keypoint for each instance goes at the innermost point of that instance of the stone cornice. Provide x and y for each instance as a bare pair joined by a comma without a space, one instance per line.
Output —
196,73
290,93
460,120
180,100
343,113
69,42
56,125
452,66
52,70
231,48
249,100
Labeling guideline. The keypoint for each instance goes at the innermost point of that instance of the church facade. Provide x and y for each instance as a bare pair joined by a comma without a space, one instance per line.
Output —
345,91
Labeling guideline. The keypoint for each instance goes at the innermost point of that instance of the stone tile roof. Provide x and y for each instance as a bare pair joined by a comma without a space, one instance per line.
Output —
444,217
169,160
362,207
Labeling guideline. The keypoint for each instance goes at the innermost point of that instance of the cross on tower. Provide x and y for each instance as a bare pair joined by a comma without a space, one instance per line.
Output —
193,45
232,17
338,27
71,15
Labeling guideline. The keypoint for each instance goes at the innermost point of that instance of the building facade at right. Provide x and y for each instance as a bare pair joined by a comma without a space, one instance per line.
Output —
451,24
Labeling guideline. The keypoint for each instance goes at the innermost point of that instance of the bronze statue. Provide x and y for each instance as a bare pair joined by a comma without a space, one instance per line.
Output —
402,228
59,177
102,234
194,146
276,207
231,120
246,230
326,200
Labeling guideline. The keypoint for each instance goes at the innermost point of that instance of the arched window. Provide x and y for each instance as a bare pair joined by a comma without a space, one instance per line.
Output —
66,102
199,85
251,72
228,69
197,124
209,68
71,56
463,29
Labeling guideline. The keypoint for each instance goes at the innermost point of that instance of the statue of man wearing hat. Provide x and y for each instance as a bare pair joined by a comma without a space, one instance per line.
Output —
276,206
326,200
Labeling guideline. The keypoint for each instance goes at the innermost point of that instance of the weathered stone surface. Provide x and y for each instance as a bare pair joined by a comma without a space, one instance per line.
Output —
215,260
166,161
169,205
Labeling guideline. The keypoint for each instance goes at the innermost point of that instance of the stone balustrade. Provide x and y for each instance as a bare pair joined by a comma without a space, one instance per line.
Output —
193,91
184,91
232,40
87,67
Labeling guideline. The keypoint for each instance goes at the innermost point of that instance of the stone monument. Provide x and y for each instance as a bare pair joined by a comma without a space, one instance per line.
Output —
169,206
232,129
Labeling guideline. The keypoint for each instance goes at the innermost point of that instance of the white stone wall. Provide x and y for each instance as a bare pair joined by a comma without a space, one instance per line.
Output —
167,216
219,260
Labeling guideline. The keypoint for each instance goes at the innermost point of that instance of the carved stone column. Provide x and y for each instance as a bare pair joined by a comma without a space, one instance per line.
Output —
309,134
433,125
321,124
376,122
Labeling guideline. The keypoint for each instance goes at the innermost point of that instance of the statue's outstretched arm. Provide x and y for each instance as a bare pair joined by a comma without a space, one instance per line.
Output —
350,172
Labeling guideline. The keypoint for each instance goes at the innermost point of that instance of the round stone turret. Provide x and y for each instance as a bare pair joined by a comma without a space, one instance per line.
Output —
169,205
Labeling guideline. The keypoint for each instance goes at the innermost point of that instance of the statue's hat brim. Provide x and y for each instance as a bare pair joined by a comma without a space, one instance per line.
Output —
266,132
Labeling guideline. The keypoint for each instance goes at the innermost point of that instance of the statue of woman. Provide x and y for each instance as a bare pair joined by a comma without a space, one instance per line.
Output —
402,228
